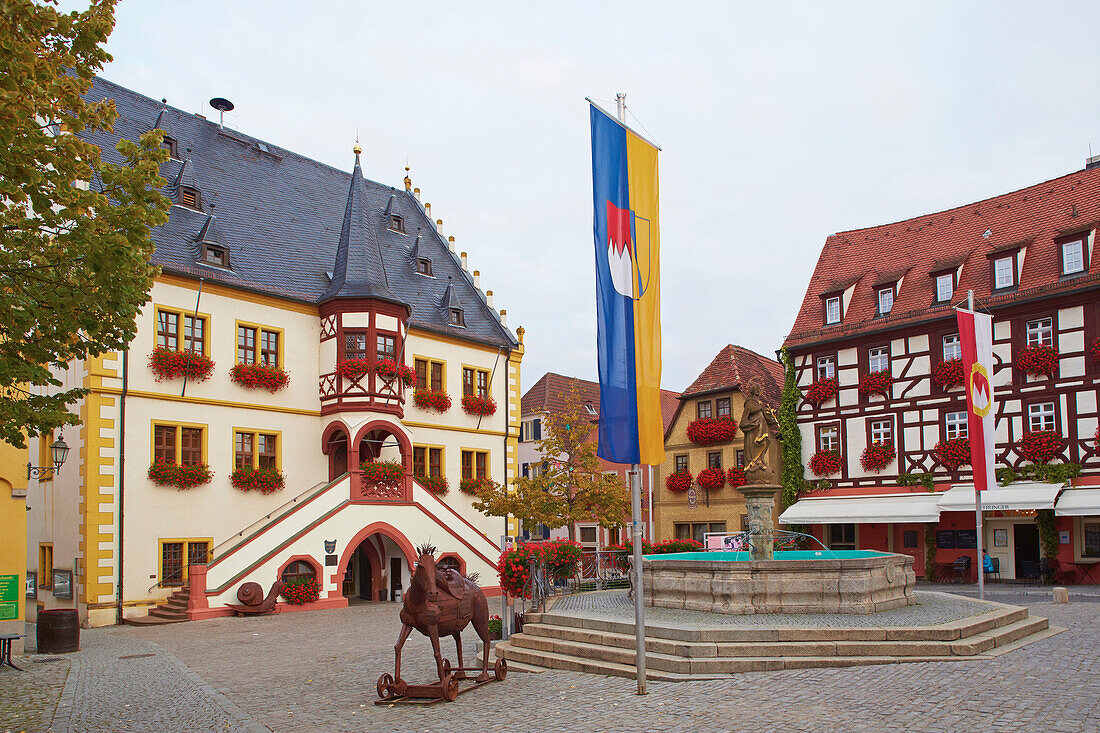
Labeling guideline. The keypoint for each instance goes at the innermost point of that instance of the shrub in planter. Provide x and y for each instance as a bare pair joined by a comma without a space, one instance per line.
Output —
383,473
711,479
619,554
877,456
473,486
560,558
679,482
431,399
352,368
389,370
170,364
257,376
709,430
825,462
303,590
876,383
264,480
1038,360
953,453
435,484
948,373
736,477
474,405
1041,446
495,627
188,476
822,390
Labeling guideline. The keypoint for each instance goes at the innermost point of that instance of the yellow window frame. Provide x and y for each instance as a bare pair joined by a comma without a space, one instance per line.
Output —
488,378
45,565
476,451
431,361
428,458
180,313
255,433
179,438
259,328
209,541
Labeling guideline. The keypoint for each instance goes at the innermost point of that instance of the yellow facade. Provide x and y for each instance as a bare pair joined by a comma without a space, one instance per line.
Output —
13,534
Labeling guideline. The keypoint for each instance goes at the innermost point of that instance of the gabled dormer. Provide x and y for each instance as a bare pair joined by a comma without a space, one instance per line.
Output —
212,249
185,191
452,308
170,141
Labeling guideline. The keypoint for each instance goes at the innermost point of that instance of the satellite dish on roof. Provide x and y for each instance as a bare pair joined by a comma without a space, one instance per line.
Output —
223,106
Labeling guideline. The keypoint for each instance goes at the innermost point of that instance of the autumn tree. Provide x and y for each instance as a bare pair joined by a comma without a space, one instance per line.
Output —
75,245
571,486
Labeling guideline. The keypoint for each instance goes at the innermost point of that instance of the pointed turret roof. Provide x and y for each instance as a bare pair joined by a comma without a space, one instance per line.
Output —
450,299
186,177
210,231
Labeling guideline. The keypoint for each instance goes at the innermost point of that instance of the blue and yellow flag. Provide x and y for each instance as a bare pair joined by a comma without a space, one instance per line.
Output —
628,293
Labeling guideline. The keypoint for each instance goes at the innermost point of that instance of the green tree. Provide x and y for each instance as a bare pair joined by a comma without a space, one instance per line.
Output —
571,487
794,473
75,245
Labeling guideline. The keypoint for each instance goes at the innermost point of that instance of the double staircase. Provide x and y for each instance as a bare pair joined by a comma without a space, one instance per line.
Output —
171,611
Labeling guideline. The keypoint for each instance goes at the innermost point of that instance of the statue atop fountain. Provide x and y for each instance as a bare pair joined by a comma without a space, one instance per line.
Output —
759,426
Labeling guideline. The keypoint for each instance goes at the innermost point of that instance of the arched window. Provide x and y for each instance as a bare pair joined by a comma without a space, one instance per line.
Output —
299,570
449,563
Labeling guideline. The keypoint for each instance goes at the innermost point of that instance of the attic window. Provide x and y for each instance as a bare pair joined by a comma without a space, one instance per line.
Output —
189,197
424,266
1073,255
945,287
885,300
169,144
457,318
397,224
212,254
832,310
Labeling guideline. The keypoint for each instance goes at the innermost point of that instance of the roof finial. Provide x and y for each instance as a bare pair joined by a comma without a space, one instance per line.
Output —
358,148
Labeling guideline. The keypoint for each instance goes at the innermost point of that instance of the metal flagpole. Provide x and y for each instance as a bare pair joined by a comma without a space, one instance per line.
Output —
978,495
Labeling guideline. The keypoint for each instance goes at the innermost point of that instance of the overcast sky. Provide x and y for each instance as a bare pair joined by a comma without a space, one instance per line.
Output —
781,123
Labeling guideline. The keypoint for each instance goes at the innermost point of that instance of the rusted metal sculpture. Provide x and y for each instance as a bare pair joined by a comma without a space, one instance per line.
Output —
440,602
253,603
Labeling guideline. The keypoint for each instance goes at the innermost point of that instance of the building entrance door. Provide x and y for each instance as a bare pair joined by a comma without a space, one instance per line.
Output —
1026,554
395,577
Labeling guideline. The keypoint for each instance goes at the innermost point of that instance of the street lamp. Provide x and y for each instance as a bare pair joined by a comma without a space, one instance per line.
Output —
60,452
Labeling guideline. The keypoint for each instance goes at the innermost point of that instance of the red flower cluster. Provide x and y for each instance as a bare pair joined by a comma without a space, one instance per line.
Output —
435,484
948,373
1095,349
264,480
679,482
822,390
301,591
1037,360
427,398
389,369
560,558
711,479
170,364
825,462
475,405
877,456
383,473
708,430
736,477
255,376
876,383
953,452
619,553
188,476
1041,446
351,369
473,486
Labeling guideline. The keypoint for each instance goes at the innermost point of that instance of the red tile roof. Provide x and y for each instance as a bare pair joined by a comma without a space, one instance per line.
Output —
736,366
1032,217
550,392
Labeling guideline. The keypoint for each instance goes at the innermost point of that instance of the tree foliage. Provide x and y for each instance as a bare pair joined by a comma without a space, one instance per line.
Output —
75,245
571,488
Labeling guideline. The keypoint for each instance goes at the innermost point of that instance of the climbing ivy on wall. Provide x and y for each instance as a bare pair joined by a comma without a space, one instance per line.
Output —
1048,536
794,473
930,552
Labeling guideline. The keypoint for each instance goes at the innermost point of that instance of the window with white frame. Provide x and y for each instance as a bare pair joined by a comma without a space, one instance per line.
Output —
882,432
1040,416
832,310
955,425
828,438
1004,272
1040,332
826,367
945,287
532,430
885,300
1073,256
879,359
952,347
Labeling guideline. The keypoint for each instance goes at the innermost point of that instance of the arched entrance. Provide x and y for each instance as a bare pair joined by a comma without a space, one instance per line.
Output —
335,444
376,564
381,441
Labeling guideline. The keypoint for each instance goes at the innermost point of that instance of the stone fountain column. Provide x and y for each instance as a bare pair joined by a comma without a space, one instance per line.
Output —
758,425
760,505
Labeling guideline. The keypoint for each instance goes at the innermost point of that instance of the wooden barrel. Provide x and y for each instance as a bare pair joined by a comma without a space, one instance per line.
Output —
58,631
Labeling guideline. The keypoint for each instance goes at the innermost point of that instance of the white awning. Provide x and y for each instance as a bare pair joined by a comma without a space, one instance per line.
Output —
1019,495
1078,503
891,508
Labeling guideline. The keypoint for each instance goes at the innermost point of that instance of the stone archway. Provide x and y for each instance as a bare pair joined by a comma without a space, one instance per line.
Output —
379,440
336,445
399,547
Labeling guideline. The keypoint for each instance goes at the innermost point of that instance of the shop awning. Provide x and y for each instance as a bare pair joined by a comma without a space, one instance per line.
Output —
1078,503
891,508
1019,495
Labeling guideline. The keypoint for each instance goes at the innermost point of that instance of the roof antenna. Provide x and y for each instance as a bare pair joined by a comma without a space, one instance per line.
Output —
223,106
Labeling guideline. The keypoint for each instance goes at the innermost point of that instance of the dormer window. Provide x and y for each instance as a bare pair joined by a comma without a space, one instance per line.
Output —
945,287
1004,271
424,266
885,300
189,197
169,144
1073,256
832,309
397,224
456,317
212,254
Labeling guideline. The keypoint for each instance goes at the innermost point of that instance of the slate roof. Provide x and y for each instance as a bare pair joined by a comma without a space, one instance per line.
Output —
550,392
915,248
734,368
284,217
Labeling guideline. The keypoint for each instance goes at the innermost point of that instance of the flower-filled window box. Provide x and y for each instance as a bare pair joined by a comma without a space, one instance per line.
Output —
876,383
351,369
877,456
948,374
825,463
264,480
383,473
711,479
187,476
709,430
679,482
390,370
1042,446
736,477
1094,349
302,591
171,364
427,398
953,452
435,484
474,486
475,405
822,391
1038,360
259,376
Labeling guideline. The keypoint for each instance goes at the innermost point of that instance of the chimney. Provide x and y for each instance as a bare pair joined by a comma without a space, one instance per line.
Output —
477,279
463,260
1092,162
489,298
416,194
451,243
428,210
504,318
439,225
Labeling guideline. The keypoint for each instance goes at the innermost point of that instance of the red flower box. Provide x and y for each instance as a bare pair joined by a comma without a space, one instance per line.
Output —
711,479
736,477
170,364
435,484
948,373
256,376
877,456
679,482
431,399
383,473
708,430
1095,349
264,480
302,591
188,476
389,370
822,390
473,486
825,462
1038,360
876,383
1041,446
474,405
351,369
953,453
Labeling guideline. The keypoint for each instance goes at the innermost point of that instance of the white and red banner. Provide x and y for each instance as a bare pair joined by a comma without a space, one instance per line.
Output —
976,334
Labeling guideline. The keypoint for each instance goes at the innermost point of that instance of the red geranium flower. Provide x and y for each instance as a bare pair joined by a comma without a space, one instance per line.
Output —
825,462
431,399
170,364
1042,446
877,456
876,383
953,452
1038,360
822,390
475,405
711,479
679,482
708,430
948,373
255,376
736,477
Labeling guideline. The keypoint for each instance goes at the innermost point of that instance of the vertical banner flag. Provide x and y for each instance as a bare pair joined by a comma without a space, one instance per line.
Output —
976,334
628,293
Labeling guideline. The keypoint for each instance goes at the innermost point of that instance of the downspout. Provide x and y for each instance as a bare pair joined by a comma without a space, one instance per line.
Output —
122,476
198,297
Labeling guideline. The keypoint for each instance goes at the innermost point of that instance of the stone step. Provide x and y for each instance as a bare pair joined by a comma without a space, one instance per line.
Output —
152,620
170,613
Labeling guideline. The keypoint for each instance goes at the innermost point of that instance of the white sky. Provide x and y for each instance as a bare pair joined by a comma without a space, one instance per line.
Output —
780,122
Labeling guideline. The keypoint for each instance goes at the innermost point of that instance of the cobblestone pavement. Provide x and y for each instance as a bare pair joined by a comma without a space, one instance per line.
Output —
28,698
316,671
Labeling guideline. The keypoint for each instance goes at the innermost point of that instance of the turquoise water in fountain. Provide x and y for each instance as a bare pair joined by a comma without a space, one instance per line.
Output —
722,556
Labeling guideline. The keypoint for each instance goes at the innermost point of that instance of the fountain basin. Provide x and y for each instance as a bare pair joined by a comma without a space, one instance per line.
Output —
796,581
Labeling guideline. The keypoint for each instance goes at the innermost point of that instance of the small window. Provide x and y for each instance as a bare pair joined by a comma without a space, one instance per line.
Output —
194,333
879,359
945,287
475,464
298,571
190,446
955,425
714,459
475,381
826,367
164,443
739,461
268,458
45,565
588,535
702,409
424,266
355,345
246,345
832,310
168,330
457,319
885,301
435,462
842,536
882,432
722,407
1004,275
828,438
169,144
243,450
1040,332
429,373
1040,416
681,464
189,197
1073,256
212,254
386,348
952,347
397,224
269,348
